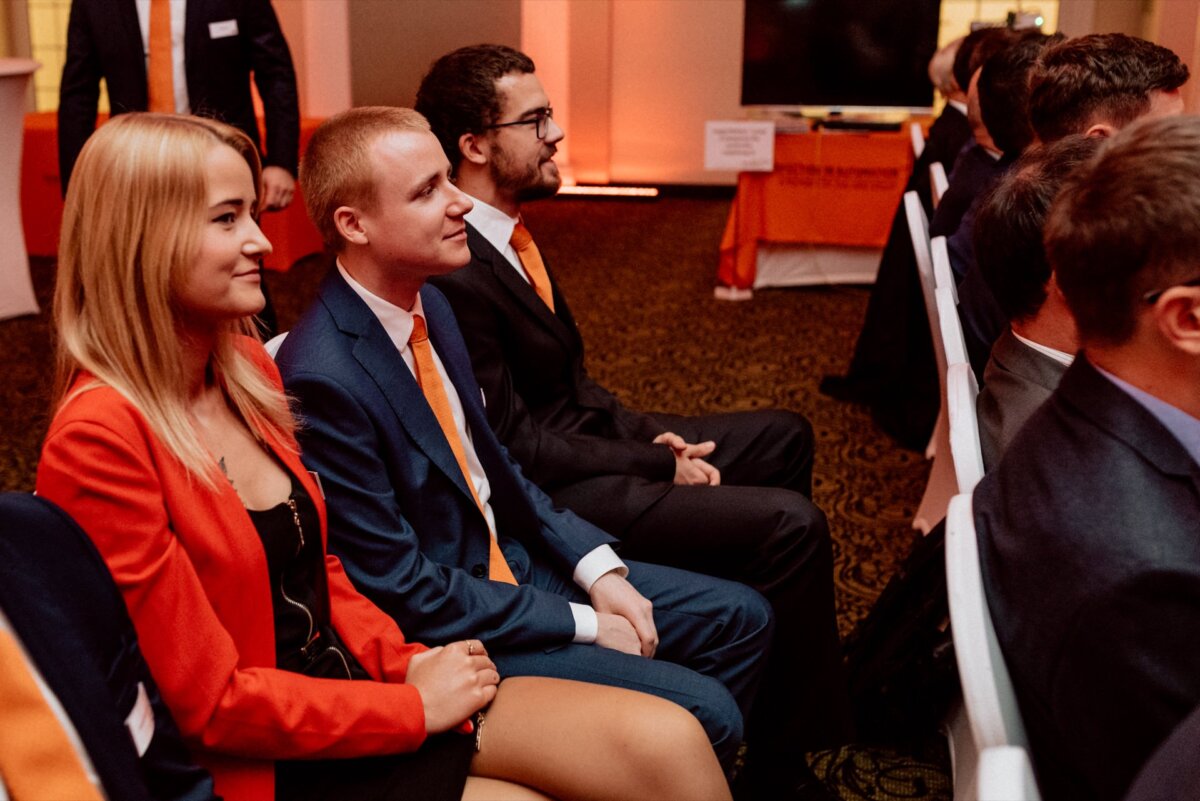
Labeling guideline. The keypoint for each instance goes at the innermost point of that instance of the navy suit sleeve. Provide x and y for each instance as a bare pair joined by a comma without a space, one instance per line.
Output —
79,90
1130,664
275,78
382,552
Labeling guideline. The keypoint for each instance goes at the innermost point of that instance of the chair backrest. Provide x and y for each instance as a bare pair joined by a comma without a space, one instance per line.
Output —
943,273
1006,775
938,182
273,344
961,392
918,231
949,327
918,139
987,686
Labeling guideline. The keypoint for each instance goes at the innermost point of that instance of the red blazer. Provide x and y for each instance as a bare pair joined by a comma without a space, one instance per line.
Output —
194,576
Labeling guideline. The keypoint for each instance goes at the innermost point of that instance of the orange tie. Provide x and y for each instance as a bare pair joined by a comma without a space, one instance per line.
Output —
431,384
37,760
160,74
531,260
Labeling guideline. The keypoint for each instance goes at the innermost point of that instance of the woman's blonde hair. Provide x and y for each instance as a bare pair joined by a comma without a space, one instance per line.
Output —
131,231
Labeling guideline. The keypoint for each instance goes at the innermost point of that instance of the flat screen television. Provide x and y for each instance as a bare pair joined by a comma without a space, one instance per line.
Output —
842,53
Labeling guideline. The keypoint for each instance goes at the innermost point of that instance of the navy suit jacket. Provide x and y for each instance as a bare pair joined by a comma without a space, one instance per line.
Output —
401,516
60,598
1089,535
104,40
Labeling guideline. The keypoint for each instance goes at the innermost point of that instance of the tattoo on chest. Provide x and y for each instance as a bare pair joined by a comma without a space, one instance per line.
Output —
221,464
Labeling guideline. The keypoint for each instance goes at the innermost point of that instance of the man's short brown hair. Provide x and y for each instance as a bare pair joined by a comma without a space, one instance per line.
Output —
1128,224
337,169
1099,78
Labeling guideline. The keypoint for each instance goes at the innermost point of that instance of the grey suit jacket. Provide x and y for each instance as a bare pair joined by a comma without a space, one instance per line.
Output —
1016,381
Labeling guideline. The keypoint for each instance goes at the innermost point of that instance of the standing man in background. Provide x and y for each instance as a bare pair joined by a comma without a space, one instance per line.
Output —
183,57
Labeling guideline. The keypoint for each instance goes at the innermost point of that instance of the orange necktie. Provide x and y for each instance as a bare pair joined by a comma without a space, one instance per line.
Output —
431,384
531,260
160,73
37,760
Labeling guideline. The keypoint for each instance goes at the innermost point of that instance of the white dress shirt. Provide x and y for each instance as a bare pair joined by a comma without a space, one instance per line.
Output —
1062,357
496,227
398,323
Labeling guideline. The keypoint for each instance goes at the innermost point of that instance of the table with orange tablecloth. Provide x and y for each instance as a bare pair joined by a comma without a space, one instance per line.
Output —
292,234
828,190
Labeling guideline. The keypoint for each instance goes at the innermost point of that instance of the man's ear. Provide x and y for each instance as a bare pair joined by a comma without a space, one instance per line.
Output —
350,225
474,148
1177,314
1100,129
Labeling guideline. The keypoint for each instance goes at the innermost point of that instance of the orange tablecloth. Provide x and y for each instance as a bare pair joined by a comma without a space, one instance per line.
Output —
827,189
291,233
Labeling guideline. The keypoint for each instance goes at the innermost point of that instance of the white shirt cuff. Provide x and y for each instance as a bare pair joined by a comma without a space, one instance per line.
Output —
586,624
600,561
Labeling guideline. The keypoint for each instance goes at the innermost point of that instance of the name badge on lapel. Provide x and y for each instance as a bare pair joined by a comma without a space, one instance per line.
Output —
223,29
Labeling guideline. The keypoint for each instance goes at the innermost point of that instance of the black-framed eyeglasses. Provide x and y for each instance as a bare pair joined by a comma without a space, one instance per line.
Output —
539,121
1152,297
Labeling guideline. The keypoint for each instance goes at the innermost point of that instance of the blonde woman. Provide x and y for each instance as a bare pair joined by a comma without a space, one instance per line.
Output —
173,448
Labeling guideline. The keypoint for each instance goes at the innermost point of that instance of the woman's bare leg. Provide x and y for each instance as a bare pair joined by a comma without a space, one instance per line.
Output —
481,789
588,742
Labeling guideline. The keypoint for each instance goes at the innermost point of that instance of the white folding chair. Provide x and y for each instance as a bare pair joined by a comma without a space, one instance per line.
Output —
918,139
942,482
938,182
954,345
992,715
961,392
274,343
1006,775
943,273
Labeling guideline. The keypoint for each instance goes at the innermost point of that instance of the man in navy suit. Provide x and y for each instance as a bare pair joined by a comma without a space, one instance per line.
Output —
415,522
59,602
723,494
1089,530
222,42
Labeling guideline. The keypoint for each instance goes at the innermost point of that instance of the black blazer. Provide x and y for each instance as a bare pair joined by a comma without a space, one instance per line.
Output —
1089,536
558,423
105,41
60,599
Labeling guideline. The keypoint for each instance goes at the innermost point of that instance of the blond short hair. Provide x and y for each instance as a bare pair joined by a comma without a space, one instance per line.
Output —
131,230
337,169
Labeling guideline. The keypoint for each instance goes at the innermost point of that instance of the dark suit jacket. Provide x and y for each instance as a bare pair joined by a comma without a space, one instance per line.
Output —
58,595
1090,548
558,423
947,136
401,516
1017,380
105,41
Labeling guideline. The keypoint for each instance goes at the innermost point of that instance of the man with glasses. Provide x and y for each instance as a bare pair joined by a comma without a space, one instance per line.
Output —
1089,530
726,495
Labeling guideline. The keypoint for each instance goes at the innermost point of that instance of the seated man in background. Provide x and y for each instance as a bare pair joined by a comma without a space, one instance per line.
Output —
893,369
1031,355
1001,92
431,518
1095,85
1092,85
1088,527
725,495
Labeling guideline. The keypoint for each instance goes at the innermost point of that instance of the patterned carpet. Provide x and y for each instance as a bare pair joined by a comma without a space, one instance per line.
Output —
639,276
